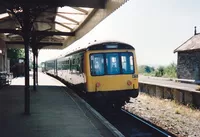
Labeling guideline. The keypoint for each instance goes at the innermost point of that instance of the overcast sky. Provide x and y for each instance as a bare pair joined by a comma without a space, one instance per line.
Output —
154,27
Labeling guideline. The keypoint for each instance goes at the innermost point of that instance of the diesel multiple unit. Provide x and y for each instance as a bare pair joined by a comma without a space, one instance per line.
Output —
104,70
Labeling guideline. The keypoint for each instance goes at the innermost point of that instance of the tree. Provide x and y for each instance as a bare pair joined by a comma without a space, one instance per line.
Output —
145,69
159,71
149,69
170,70
15,53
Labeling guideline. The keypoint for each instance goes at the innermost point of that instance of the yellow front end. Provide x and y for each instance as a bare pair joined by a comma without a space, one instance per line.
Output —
105,83
112,83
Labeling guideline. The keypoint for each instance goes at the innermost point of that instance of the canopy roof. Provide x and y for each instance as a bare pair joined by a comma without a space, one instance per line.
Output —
57,23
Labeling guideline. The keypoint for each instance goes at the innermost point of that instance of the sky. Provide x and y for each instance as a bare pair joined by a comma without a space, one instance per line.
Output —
154,28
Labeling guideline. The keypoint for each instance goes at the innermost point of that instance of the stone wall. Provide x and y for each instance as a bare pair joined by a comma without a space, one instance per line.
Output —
185,97
188,66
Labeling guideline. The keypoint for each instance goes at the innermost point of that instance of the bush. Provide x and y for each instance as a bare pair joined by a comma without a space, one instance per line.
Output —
161,71
145,69
170,71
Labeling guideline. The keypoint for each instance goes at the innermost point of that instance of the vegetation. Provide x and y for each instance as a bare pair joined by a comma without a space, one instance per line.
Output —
15,53
146,69
162,71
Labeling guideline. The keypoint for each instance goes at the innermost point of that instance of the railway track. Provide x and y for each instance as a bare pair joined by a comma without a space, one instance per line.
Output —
153,128
131,125
127,123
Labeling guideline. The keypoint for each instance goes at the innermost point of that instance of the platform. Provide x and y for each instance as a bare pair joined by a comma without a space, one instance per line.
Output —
167,82
184,93
55,112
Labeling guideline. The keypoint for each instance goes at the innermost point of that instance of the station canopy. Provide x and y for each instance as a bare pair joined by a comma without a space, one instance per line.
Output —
57,23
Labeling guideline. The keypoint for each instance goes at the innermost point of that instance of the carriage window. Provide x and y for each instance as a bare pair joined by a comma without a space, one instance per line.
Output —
78,60
97,64
127,63
59,65
73,62
64,65
115,63
112,63
68,62
131,64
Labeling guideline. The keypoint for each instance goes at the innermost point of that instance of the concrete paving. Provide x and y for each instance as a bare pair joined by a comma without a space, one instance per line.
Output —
54,112
167,83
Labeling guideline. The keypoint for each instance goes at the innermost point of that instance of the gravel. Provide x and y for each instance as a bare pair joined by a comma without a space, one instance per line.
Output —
180,120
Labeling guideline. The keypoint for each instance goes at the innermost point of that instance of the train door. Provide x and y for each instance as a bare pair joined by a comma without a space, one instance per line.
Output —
56,72
82,71
53,67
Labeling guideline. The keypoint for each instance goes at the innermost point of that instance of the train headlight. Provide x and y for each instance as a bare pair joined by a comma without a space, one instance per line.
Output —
129,83
98,84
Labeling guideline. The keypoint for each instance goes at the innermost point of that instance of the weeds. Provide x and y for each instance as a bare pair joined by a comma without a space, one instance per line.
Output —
177,111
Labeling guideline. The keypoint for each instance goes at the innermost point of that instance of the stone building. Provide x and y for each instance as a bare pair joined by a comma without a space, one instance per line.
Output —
188,62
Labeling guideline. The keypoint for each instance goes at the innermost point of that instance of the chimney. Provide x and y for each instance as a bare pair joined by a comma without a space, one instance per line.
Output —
195,30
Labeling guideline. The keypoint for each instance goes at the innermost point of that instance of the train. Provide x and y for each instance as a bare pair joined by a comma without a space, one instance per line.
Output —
104,70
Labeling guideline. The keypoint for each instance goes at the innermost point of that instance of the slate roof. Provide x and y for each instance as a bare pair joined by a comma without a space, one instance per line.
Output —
191,44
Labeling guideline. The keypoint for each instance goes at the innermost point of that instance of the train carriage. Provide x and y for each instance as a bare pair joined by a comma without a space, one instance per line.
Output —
105,70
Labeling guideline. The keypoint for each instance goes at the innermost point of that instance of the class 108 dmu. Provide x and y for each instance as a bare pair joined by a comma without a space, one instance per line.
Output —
105,70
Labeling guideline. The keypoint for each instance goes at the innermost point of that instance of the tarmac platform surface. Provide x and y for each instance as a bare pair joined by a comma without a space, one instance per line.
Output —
166,82
55,112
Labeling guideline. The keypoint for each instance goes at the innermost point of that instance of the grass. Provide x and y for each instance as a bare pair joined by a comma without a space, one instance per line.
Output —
187,110
179,119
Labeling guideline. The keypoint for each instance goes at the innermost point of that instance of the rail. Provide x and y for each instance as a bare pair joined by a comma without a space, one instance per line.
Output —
162,133
122,124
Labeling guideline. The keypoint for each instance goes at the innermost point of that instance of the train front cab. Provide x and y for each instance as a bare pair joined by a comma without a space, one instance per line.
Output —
112,74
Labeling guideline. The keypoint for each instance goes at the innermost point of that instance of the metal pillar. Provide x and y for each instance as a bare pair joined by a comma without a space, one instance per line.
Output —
34,70
27,92
36,66
26,35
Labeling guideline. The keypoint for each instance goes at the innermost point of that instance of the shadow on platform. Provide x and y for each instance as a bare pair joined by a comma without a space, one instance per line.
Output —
53,114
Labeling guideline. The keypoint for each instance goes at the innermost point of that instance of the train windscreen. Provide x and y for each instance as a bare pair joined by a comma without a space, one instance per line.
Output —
111,63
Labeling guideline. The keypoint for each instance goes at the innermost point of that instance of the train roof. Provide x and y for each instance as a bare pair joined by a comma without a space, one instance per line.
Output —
75,47
90,45
85,46
95,42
